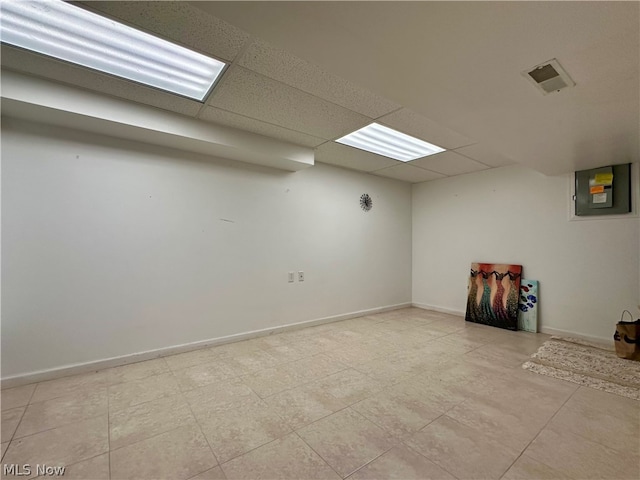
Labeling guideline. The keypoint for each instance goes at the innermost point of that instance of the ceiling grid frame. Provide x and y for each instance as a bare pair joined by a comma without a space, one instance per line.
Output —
250,42
167,20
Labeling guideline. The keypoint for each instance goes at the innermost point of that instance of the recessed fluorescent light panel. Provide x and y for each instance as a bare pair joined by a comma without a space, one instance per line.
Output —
69,33
385,141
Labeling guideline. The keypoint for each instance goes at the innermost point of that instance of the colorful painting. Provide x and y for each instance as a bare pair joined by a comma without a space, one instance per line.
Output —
528,306
493,295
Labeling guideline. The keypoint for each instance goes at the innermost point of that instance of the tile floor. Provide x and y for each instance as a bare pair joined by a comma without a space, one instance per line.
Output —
408,394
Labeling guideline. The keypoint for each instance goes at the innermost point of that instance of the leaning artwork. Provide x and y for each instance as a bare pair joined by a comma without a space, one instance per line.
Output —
493,295
528,307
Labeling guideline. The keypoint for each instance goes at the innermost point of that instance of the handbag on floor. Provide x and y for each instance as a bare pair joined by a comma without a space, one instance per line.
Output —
627,338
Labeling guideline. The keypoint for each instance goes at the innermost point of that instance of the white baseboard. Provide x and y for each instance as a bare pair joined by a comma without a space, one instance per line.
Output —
435,308
569,333
86,367
542,329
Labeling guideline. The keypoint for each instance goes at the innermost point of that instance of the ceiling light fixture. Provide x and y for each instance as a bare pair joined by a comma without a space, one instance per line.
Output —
385,141
63,31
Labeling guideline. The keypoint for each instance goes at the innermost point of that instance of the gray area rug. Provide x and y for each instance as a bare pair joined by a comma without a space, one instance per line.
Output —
587,364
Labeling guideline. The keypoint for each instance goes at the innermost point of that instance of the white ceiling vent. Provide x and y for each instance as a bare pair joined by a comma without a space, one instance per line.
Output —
549,77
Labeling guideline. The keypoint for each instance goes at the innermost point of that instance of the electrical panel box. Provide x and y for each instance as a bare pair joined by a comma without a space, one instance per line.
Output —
603,191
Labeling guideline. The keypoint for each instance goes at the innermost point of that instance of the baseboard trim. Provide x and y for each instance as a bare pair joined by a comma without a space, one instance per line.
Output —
569,333
542,329
93,366
435,308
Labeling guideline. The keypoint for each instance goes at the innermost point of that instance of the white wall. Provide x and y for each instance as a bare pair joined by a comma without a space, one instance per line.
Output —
112,247
588,270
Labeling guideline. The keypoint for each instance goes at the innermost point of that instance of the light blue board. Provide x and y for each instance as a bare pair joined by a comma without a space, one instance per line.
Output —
528,306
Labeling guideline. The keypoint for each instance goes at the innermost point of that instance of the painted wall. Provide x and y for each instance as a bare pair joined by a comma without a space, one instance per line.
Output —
112,247
588,270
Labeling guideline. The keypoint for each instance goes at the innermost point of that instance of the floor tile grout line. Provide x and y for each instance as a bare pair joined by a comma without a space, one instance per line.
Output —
204,471
443,414
539,432
582,436
83,390
319,456
148,438
20,421
305,384
423,455
319,419
290,432
432,460
229,403
481,431
128,406
62,426
35,384
393,438
372,460
59,426
106,385
52,428
273,440
231,357
87,391
257,372
109,433
33,393
87,388
195,418
568,477
297,385
86,460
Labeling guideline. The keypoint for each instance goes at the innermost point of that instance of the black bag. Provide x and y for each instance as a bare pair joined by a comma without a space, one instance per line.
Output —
627,338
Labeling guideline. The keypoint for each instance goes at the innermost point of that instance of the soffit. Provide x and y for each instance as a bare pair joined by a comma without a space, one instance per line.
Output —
408,173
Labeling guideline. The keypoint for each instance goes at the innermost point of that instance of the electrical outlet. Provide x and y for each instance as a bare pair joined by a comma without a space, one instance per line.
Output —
290,277
301,276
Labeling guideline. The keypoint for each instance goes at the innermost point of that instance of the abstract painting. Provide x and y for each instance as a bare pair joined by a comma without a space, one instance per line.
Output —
494,290
528,306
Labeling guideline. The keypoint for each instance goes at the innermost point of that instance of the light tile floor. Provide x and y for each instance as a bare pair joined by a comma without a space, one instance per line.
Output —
408,394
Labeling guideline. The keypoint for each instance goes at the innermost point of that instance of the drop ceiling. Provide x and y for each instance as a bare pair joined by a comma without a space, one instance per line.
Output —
446,72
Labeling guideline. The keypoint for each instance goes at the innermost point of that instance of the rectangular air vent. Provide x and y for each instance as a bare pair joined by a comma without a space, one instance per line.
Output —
549,77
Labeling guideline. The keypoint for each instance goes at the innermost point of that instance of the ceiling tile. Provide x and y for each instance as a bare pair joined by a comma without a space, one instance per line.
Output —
179,22
349,157
39,65
286,68
229,119
485,155
421,127
449,163
408,173
253,95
